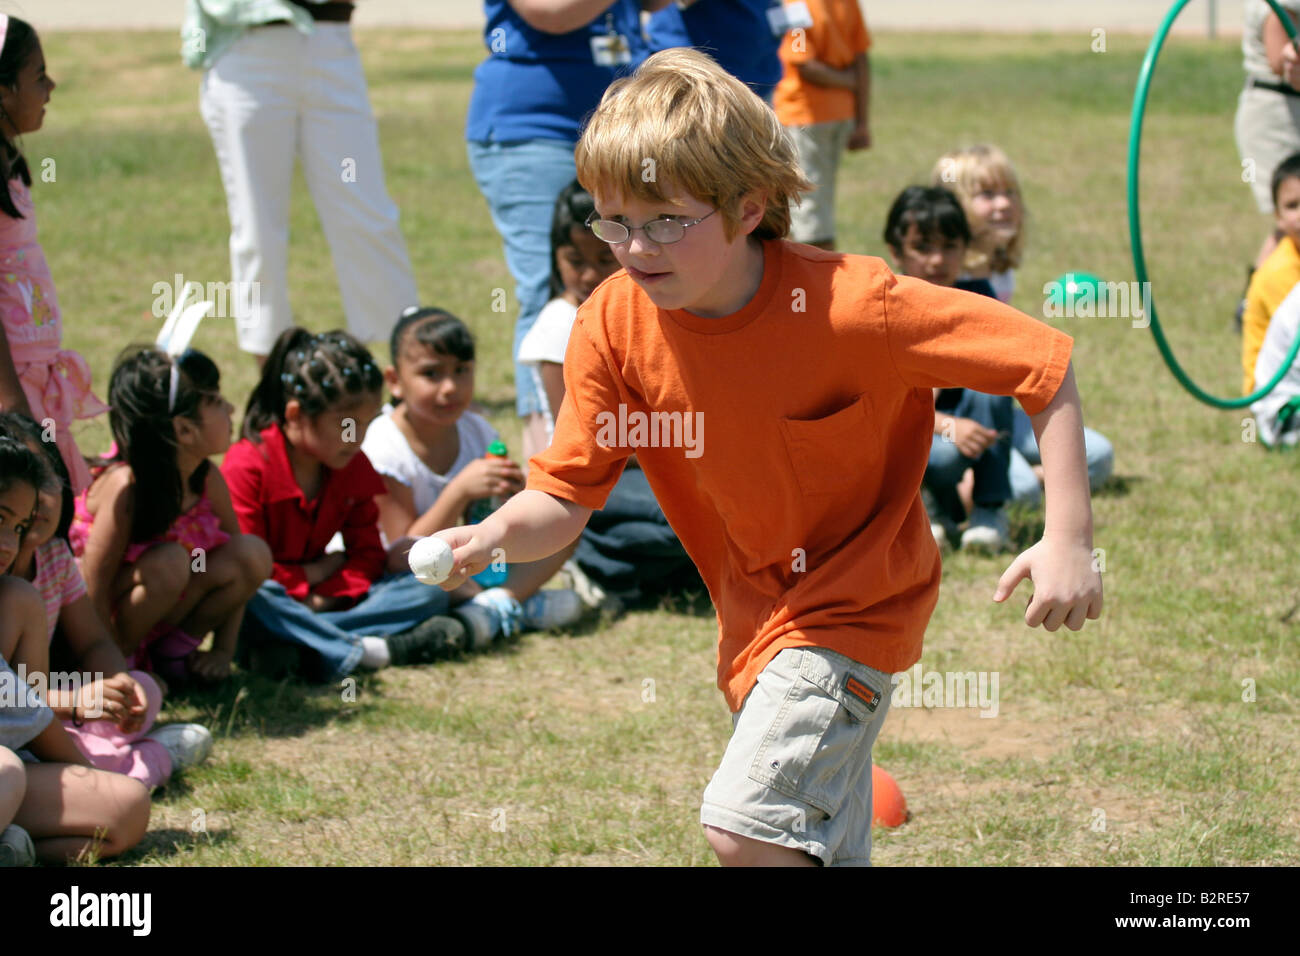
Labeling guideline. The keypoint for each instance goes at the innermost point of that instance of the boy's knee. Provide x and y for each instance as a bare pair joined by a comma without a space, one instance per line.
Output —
733,849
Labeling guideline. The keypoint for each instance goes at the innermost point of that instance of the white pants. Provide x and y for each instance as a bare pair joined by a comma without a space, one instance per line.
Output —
276,95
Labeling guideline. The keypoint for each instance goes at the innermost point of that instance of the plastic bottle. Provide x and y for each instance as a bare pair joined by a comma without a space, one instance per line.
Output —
489,577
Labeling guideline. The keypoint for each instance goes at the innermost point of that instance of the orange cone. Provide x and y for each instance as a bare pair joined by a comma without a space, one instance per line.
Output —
888,808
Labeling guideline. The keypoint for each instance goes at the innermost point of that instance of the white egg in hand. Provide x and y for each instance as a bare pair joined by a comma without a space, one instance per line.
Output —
430,560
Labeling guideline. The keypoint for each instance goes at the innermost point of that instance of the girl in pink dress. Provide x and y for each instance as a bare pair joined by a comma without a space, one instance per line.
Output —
37,376
110,712
160,547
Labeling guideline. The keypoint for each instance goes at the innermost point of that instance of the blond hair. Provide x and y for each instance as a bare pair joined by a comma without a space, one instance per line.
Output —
682,122
968,172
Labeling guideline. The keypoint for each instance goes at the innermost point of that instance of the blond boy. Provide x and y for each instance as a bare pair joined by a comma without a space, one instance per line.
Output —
805,378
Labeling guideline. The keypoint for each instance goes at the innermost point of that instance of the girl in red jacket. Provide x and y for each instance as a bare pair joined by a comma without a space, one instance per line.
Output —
297,478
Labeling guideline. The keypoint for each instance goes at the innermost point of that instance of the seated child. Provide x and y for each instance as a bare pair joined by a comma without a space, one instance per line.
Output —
1274,280
161,553
53,805
1276,413
927,235
297,478
984,181
627,547
430,451
111,717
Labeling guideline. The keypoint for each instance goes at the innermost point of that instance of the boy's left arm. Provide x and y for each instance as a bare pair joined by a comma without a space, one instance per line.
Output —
1067,583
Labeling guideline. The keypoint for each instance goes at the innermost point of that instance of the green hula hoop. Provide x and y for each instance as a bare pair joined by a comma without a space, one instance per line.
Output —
1135,219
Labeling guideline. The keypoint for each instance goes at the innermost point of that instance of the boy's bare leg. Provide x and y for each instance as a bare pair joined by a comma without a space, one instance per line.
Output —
736,850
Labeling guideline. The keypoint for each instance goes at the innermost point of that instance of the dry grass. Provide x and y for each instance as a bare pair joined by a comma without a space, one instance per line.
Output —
547,753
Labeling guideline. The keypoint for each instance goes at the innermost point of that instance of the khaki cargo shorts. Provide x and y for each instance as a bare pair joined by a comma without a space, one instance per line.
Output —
797,771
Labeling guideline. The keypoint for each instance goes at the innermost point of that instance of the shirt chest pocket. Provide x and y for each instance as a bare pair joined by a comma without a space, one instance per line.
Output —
833,453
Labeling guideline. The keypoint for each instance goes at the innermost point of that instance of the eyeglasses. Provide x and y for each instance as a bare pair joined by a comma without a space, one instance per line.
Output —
661,231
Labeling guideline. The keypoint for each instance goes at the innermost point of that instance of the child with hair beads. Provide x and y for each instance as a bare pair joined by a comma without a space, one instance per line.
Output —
429,451
53,805
110,716
37,377
802,512
628,547
927,234
161,551
298,477
985,182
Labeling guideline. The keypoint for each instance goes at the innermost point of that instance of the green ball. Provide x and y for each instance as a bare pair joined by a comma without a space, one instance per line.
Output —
1071,286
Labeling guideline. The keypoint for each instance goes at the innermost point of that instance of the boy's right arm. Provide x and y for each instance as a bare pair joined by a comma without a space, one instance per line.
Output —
530,526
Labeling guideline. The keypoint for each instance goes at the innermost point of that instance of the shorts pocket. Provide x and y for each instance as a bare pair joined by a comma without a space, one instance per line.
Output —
832,453
814,747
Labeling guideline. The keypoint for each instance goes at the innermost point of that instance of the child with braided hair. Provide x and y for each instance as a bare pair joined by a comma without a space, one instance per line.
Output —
298,477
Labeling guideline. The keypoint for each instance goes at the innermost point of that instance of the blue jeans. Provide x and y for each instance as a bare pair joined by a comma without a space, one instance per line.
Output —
629,544
394,604
1024,455
947,464
521,182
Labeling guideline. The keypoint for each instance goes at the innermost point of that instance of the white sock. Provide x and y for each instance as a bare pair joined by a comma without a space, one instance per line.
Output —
374,653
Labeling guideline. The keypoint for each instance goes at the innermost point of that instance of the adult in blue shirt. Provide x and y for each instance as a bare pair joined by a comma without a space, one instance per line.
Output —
737,33
549,62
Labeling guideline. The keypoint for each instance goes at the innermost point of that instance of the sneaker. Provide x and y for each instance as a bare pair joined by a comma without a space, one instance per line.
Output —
548,610
591,593
501,604
431,640
16,848
482,624
988,531
944,530
188,744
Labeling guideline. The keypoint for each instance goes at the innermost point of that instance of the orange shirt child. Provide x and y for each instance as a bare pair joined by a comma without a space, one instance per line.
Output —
837,36
787,447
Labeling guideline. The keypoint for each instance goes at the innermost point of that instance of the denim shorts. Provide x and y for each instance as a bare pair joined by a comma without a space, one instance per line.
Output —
797,771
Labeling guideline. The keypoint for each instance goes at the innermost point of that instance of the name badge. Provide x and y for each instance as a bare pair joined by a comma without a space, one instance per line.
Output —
789,16
610,49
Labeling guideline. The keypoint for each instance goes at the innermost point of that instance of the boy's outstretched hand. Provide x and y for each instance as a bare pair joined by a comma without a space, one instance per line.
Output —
471,549
1067,585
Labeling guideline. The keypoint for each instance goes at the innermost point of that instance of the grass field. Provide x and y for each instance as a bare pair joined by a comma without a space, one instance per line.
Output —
1128,743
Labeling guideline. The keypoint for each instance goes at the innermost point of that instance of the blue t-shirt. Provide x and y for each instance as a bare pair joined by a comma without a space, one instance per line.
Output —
736,33
536,85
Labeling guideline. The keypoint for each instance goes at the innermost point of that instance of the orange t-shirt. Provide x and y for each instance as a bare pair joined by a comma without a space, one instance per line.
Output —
837,36
788,441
